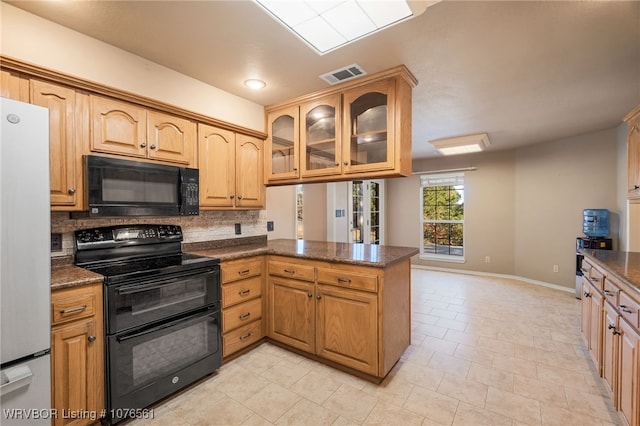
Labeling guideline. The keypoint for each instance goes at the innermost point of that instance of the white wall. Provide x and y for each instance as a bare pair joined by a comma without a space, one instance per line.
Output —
35,40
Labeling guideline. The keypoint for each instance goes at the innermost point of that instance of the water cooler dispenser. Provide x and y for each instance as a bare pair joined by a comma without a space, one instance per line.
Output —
595,225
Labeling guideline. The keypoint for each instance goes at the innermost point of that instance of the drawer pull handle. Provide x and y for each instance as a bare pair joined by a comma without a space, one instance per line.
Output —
594,279
609,293
587,294
244,292
624,308
73,310
290,271
584,271
344,280
91,339
611,326
245,337
244,316
244,271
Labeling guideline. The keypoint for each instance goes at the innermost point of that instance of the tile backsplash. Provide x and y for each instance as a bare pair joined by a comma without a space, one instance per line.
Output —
208,226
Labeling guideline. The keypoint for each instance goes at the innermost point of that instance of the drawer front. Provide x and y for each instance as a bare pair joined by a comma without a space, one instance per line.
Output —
611,292
348,279
238,315
597,278
241,338
241,269
629,309
292,270
72,304
586,267
240,291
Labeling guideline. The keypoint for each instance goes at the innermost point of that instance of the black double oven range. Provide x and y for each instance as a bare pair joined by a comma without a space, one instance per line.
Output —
162,313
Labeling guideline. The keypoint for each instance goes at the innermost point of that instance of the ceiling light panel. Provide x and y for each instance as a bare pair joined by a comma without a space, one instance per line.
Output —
327,25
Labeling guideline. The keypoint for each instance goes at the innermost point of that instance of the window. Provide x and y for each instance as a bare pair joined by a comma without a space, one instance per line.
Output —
442,217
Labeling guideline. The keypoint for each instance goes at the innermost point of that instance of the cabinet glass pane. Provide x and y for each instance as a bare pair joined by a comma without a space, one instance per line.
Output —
374,220
320,125
282,134
369,129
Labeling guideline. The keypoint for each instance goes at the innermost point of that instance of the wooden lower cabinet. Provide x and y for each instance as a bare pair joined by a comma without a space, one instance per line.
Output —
347,328
628,376
242,303
355,316
610,344
591,321
77,358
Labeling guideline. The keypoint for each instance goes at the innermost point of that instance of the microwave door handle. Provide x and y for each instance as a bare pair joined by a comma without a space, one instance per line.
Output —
150,285
182,321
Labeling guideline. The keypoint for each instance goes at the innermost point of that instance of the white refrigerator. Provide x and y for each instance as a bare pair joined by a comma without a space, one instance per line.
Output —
25,265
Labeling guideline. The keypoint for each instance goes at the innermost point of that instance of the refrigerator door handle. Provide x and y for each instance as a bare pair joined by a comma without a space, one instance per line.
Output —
15,378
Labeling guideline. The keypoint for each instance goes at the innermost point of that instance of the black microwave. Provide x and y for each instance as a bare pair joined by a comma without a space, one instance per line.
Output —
117,187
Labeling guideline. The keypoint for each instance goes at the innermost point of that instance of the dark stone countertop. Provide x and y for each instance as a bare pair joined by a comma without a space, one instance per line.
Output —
625,266
379,256
72,276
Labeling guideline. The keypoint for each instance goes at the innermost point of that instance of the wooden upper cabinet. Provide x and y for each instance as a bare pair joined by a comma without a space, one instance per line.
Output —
14,86
126,129
283,144
64,150
231,169
633,153
357,130
170,138
320,137
250,191
118,128
368,141
217,161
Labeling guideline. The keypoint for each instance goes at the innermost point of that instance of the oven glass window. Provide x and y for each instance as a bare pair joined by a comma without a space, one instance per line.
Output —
133,186
145,359
137,304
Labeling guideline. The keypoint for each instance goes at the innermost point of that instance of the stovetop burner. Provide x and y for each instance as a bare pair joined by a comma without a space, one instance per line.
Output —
136,252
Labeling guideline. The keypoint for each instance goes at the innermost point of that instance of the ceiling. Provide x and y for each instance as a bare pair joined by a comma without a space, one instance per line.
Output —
522,72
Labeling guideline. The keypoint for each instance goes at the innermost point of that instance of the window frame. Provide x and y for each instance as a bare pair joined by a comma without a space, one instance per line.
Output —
457,176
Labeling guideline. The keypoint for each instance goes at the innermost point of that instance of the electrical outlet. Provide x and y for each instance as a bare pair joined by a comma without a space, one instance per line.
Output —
487,259
555,268
56,242
269,225
238,229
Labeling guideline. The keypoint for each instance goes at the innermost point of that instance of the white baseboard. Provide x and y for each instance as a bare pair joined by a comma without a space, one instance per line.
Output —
490,274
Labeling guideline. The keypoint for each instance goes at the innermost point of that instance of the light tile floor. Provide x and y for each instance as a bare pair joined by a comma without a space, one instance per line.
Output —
485,351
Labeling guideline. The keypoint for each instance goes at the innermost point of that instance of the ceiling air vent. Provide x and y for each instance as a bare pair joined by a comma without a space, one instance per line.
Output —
343,74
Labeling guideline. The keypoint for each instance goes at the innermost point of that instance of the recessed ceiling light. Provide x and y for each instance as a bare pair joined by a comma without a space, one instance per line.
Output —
461,144
255,84
327,25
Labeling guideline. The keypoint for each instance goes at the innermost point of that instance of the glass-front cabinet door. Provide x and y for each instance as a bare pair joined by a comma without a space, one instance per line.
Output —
283,143
369,127
319,140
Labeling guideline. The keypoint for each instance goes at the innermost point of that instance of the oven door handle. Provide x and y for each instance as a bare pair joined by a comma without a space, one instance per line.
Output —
188,320
158,283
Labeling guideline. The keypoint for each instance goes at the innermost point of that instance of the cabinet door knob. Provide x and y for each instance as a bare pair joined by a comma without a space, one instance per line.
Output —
239,197
310,294
318,297
153,147
143,145
232,196
91,339
295,169
71,191
346,163
336,164
636,186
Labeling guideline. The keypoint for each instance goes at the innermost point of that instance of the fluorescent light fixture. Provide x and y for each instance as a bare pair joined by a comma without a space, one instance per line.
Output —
326,25
461,144
255,84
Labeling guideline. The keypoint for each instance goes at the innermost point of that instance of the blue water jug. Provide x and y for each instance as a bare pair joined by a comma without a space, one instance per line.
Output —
595,222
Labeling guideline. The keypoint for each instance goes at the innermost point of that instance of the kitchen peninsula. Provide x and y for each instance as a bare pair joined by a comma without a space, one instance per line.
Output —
347,305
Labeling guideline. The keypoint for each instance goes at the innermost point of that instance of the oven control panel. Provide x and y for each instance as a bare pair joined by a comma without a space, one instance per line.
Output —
114,236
